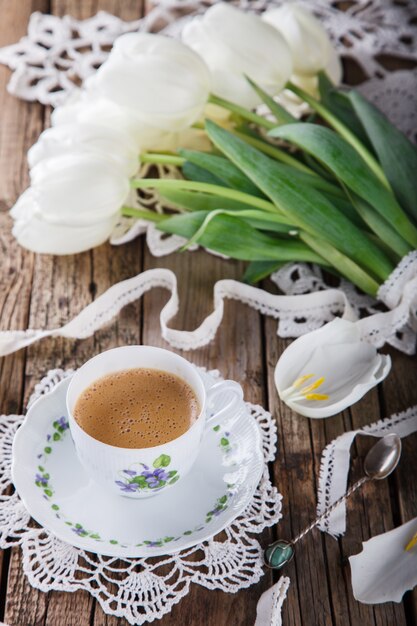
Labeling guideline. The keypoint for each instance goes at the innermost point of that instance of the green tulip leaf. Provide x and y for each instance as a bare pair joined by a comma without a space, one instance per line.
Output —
397,155
233,237
305,206
222,169
192,171
347,164
258,270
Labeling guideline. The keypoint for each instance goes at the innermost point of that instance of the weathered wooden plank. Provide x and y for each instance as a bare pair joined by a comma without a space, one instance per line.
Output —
399,392
61,288
308,598
20,122
237,353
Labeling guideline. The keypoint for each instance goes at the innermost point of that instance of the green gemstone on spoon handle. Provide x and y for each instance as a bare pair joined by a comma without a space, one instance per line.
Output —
278,554
380,461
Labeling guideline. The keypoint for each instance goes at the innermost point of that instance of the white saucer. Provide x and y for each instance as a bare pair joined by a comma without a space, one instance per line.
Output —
60,496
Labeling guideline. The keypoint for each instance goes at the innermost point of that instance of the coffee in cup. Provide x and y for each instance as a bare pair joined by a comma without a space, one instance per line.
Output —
137,408
110,400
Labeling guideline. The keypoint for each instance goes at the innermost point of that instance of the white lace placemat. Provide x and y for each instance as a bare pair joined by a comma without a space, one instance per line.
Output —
141,590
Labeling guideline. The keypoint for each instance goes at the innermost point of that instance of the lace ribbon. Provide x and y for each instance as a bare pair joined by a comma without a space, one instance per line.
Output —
400,291
335,465
268,610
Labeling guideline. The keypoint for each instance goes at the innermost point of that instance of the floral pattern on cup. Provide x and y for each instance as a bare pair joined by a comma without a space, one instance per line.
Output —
152,476
148,478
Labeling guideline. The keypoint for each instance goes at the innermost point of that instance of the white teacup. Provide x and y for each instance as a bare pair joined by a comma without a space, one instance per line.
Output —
144,472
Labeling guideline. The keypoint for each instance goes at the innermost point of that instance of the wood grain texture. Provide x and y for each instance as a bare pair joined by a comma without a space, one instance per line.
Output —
237,353
42,291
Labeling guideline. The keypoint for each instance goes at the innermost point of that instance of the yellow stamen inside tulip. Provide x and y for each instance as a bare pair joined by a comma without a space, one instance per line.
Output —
300,381
313,386
316,396
296,390
411,543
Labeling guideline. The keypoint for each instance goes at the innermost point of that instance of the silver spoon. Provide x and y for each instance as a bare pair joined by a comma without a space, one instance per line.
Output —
380,461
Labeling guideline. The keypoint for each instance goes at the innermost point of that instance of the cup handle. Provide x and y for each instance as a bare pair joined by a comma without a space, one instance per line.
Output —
228,386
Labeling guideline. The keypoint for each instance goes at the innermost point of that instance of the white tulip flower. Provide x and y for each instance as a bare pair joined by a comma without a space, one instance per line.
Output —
327,370
385,569
234,44
159,80
312,51
72,205
35,234
89,138
89,109
78,189
310,45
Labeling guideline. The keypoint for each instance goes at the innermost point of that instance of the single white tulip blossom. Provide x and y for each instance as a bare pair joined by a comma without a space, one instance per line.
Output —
78,188
86,138
327,370
159,80
90,109
73,203
234,44
309,42
312,51
35,234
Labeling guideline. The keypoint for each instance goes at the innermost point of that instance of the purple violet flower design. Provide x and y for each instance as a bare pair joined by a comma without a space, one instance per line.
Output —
155,478
129,487
63,422
79,531
41,479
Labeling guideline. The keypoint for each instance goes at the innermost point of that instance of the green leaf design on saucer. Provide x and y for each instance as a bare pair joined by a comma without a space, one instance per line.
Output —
154,477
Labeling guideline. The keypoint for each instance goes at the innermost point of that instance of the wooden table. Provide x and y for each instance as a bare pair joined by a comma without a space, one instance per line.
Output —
42,291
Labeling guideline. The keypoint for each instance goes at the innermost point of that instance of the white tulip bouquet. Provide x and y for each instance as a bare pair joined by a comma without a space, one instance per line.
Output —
257,184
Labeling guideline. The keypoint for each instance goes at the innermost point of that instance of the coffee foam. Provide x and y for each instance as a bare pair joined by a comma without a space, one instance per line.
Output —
137,408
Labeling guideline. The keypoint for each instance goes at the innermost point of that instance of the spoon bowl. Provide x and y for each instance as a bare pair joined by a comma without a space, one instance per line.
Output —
383,457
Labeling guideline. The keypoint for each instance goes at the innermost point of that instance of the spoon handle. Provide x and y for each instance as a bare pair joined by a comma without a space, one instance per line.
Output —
331,508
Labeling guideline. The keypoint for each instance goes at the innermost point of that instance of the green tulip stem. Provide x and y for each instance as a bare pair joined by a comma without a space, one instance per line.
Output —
348,268
245,113
143,214
343,130
161,159
191,185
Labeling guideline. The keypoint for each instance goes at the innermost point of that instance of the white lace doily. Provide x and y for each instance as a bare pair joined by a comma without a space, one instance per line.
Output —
139,590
